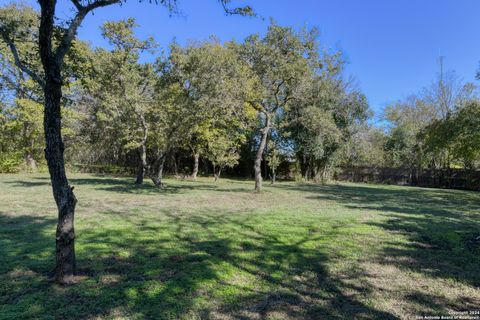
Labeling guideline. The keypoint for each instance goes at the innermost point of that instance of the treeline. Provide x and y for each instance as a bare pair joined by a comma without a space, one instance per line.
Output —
265,101
271,104
437,128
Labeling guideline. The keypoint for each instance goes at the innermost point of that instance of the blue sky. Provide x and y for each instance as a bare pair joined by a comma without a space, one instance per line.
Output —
392,46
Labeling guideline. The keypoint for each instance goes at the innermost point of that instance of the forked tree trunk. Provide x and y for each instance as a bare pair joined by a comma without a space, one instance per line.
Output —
259,155
217,174
196,160
52,62
157,175
63,194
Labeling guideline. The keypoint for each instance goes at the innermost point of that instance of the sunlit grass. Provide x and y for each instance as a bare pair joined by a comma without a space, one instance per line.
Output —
204,250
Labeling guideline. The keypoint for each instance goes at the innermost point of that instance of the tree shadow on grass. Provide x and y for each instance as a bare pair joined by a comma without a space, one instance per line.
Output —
295,283
205,266
25,264
152,283
27,183
148,188
441,226
127,185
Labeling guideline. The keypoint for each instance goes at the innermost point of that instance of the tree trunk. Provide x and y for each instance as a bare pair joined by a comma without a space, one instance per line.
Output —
158,170
265,165
175,165
29,145
217,174
206,168
325,174
196,158
316,174
52,62
274,176
62,192
30,161
142,165
259,155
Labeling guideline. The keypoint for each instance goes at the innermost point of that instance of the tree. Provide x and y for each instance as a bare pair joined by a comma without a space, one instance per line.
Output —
366,147
279,62
421,127
52,55
25,124
222,152
322,121
167,126
407,119
466,137
317,141
123,90
216,84
447,93
458,134
273,159
24,105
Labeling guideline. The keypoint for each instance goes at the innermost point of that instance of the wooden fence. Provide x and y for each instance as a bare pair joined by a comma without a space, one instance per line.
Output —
431,178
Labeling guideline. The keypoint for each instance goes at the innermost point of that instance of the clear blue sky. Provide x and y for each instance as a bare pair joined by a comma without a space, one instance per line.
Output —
392,46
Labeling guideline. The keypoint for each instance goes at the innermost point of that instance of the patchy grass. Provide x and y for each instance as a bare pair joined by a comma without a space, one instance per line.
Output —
199,250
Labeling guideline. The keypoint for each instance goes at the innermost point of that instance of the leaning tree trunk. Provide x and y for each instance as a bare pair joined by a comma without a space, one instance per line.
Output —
259,155
196,160
217,174
62,192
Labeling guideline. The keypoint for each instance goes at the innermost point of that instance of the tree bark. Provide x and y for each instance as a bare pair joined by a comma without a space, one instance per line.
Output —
274,176
258,158
217,173
157,175
316,173
62,192
142,165
54,147
196,160
175,164
28,143
30,161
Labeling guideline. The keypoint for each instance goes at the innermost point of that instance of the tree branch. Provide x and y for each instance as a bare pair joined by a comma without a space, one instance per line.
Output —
71,32
243,11
275,95
18,62
77,4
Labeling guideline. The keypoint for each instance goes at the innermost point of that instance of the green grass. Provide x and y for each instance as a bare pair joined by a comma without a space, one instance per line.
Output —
200,250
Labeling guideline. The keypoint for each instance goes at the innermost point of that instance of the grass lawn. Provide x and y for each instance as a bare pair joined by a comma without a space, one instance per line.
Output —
200,250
